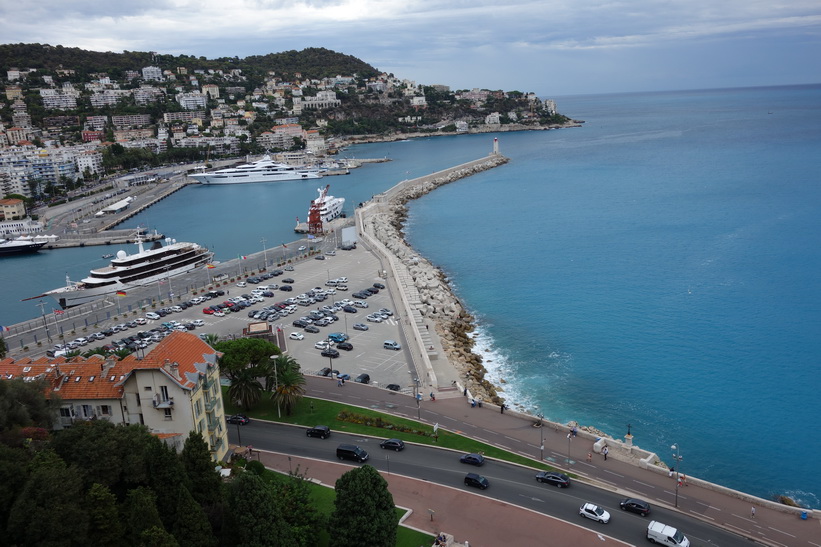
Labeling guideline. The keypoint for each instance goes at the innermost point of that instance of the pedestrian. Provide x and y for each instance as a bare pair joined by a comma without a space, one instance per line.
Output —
671,471
752,512
575,430
679,480
339,383
343,381
605,451
684,479
590,456
465,391
502,409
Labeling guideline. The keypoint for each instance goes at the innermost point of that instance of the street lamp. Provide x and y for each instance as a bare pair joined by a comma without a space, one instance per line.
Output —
276,384
677,457
541,436
264,252
418,397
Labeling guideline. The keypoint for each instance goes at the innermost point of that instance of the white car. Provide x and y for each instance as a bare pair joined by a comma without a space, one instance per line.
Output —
303,248
198,322
219,314
594,512
242,284
374,318
296,336
141,321
360,304
152,315
342,279
322,344
330,291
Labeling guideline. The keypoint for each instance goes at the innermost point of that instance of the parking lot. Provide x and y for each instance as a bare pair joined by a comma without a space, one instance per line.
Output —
361,268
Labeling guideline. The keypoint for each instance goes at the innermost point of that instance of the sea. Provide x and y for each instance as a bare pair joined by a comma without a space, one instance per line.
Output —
655,270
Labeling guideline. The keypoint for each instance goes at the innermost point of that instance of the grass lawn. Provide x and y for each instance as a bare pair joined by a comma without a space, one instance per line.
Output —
310,412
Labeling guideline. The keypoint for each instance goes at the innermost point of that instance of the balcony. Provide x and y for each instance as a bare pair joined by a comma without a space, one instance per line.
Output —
160,402
213,425
211,404
216,445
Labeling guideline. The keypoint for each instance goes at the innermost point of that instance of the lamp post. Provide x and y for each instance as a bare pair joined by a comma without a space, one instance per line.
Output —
264,252
541,436
418,397
677,457
45,322
276,384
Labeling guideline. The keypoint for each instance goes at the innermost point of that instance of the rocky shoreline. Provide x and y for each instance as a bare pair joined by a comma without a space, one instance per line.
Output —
439,305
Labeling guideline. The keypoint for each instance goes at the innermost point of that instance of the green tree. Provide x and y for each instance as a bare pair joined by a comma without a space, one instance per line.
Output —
245,389
24,404
139,513
3,347
166,475
49,509
191,527
363,510
297,508
289,388
104,526
14,472
243,353
253,514
204,480
157,536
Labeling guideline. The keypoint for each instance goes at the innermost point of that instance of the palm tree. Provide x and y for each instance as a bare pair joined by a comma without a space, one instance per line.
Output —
290,383
99,350
273,367
245,389
211,339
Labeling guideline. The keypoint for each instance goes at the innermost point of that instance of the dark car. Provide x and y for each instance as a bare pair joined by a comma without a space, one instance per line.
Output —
288,280
325,371
344,376
321,431
361,294
363,378
473,459
393,444
240,419
552,477
312,329
393,387
379,285
477,481
286,288
300,323
330,352
319,257
347,346
349,309
635,506
371,290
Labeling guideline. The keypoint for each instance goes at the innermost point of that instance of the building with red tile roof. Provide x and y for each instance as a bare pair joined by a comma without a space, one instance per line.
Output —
173,390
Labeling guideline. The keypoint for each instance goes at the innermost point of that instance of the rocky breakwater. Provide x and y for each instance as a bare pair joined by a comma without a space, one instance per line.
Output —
436,301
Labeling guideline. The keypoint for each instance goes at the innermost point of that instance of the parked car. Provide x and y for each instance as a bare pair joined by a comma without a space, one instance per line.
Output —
330,353
338,336
296,336
635,506
552,477
349,309
312,329
288,280
393,387
321,431
379,285
393,444
476,481
391,344
344,376
240,419
321,344
347,346
152,315
594,512
472,459
327,371
362,378
360,326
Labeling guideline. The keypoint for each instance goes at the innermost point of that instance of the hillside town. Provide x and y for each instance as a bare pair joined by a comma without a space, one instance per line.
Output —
62,129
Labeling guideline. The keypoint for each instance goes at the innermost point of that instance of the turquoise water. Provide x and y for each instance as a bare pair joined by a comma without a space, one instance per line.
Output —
656,267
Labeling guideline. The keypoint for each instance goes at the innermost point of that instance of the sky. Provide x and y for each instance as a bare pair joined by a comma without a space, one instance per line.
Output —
550,47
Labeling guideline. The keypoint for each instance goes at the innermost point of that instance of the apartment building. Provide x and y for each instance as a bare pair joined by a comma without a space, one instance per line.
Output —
173,390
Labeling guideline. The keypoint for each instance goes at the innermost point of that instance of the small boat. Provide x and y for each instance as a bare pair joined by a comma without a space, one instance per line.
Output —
108,255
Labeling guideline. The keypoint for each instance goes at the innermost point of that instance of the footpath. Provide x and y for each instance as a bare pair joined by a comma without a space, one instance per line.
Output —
772,524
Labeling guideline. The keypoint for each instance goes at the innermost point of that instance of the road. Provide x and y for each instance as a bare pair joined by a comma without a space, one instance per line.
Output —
508,482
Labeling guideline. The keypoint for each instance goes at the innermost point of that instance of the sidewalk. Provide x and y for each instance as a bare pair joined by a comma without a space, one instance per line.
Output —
773,524
477,526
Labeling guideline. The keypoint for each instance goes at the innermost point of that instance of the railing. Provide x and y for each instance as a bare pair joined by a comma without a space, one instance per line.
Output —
163,403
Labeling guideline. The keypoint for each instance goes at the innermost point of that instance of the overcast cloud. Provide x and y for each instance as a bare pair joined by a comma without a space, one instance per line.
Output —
551,47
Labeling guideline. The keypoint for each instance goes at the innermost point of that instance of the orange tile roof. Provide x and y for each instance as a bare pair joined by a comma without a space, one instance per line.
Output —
96,377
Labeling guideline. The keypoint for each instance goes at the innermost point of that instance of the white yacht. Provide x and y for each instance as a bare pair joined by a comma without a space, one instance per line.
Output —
263,170
156,264
329,207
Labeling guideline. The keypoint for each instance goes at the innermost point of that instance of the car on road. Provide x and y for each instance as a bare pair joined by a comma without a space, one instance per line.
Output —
552,477
635,506
386,311
152,315
393,387
321,431
302,248
296,336
393,444
594,512
347,346
240,419
319,257
392,344
476,481
330,353
472,459
360,326
363,379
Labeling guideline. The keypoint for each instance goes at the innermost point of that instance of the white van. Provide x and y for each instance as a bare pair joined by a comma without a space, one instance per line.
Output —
666,535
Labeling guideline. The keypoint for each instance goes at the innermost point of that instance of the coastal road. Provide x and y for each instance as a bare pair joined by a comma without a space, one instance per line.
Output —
509,483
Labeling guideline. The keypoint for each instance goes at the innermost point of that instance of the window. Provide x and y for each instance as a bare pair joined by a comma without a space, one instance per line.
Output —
105,410
168,414
164,392
198,408
65,412
147,388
